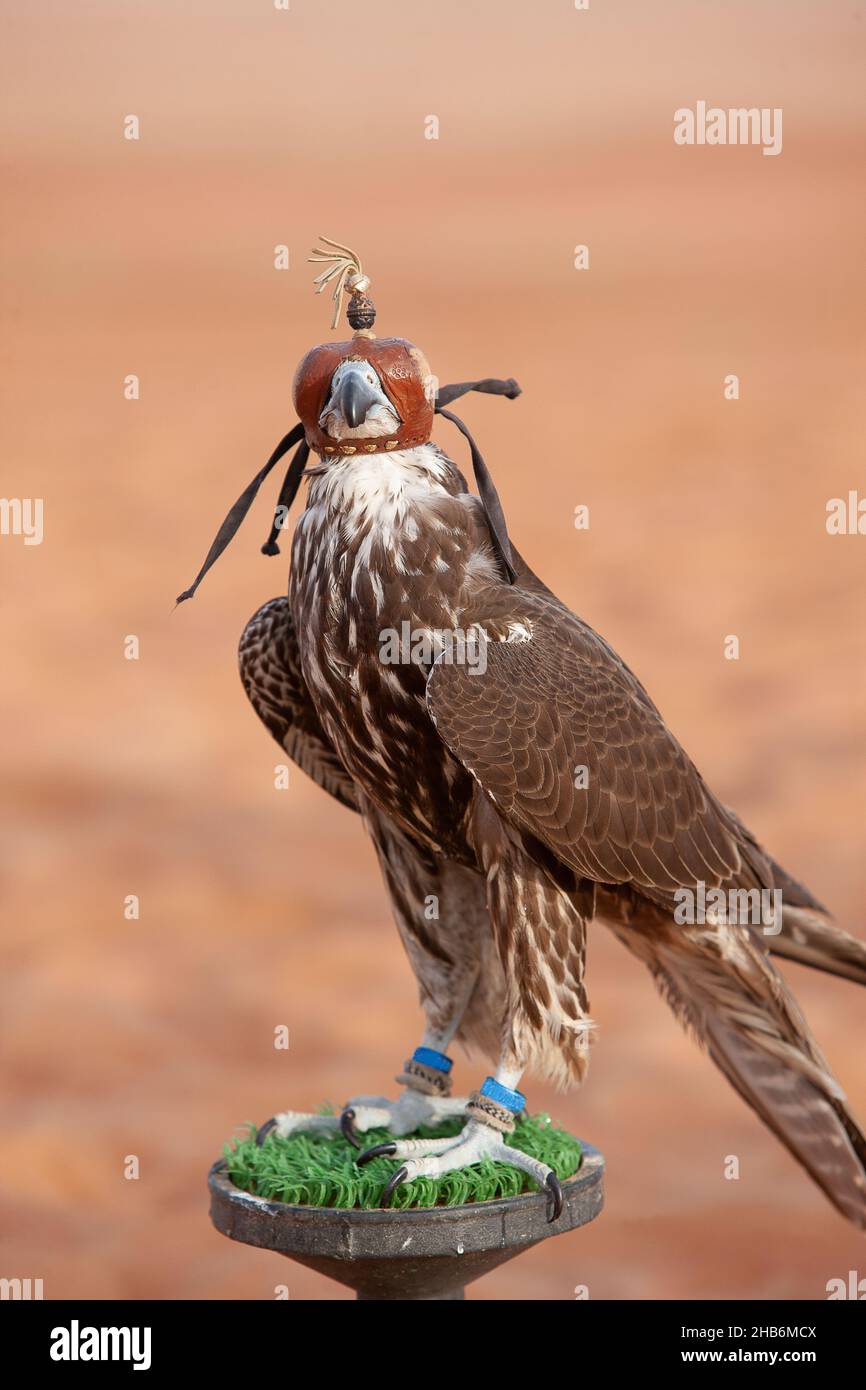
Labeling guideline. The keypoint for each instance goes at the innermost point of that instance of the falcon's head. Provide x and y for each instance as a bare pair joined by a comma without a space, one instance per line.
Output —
366,395
366,389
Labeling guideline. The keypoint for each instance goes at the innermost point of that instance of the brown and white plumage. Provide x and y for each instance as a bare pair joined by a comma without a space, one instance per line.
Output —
270,669
517,776
467,785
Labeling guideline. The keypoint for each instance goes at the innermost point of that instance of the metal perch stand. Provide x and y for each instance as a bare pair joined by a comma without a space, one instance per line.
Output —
423,1253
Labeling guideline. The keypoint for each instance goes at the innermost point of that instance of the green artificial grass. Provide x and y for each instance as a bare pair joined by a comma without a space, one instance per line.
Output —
316,1171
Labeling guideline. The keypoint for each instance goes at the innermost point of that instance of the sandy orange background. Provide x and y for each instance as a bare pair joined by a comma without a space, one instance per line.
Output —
153,777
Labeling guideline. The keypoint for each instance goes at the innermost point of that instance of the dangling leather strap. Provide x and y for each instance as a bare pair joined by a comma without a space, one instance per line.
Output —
291,483
489,499
237,513
489,385
486,487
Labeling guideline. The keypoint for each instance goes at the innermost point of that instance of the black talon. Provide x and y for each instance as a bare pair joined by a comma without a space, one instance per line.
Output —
554,1187
264,1130
347,1125
393,1183
376,1152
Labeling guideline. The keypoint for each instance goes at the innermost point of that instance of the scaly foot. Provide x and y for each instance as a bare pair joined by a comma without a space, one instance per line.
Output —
424,1101
477,1141
401,1116
490,1114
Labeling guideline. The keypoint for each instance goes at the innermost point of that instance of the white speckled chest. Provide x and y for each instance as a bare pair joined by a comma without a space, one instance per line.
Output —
384,562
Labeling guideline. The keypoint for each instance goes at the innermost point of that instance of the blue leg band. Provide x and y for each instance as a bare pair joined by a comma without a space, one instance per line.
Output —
512,1100
429,1057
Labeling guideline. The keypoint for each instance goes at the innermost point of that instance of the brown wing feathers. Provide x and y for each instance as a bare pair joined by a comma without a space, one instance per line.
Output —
562,701
548,708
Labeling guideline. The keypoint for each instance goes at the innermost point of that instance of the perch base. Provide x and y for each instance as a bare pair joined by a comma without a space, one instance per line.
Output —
421,1254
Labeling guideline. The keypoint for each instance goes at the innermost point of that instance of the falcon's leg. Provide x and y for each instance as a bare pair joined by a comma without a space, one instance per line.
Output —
425,1098
540,938
491,1111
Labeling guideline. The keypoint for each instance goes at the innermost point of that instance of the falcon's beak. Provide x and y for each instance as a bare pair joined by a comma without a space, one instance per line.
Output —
357,405
355,398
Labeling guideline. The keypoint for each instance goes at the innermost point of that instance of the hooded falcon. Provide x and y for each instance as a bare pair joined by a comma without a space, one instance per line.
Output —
512,772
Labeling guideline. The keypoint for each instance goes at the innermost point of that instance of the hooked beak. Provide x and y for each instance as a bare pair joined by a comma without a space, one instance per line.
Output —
355,398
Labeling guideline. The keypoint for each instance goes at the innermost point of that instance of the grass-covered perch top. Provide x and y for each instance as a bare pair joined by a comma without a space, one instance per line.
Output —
313,1170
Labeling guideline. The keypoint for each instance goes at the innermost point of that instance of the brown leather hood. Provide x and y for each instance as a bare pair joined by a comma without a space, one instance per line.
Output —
406,380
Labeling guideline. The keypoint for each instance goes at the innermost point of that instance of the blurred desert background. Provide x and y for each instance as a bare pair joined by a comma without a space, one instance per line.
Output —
152,777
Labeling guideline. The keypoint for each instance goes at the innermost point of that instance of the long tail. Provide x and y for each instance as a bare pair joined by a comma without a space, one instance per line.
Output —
808,935
724,988
812,939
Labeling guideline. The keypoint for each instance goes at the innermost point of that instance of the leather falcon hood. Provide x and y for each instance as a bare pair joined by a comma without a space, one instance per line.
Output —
406,380
409,385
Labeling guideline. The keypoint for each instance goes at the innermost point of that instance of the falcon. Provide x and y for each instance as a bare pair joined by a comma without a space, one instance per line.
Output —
517,782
